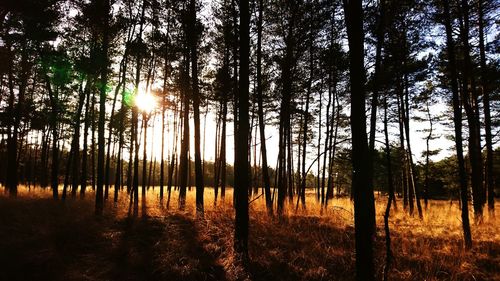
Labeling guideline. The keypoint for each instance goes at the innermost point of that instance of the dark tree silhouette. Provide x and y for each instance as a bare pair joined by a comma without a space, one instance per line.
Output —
364,217
241,167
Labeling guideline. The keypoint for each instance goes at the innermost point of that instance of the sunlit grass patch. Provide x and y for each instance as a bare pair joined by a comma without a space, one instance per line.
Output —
168,243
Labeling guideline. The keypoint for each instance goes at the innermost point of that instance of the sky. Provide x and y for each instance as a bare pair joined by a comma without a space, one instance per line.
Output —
208,129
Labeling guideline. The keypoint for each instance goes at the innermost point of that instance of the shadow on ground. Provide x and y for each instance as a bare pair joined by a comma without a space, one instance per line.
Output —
46,240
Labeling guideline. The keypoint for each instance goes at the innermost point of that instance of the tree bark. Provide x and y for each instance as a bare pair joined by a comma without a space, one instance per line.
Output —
362,190
457,119
260,112
241,174
487,113
470,102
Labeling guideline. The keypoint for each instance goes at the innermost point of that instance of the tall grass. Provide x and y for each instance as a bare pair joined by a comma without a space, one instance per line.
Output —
311,243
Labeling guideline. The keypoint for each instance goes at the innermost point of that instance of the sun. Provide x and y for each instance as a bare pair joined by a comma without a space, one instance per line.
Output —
146,102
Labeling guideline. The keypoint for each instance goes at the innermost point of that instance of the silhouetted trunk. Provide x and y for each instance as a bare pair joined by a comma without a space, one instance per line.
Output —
107,176
55,164
329,120
166,74
145,119
135,117
457,120
83,178
241,175
183,165
69,161
318,181
427,155
411,166
374,104
388,255
76,139
407,194
92,142
99,200
44,177
12,164
235,75
16,112
490,188
260,112
364,218
193,42
333,145
470,102
121,129
173,156
390,178
54,102
223,150
306,115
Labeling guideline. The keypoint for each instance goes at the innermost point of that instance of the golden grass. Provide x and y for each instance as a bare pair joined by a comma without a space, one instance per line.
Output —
307,244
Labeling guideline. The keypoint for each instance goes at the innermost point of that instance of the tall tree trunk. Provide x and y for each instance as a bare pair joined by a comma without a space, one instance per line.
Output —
107,168
470,103
457,119
183,166
487,114
173,156
364,218
374,104
223,149
135,118
76,140
260,112
16,112
407,194
318,181
145,119
427,155
53,95
193,39
388,256
306,115
328,145
83,178
411,166
166,74
99,200
241,146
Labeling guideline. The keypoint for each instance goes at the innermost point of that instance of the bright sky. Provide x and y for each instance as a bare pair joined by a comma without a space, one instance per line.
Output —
147,102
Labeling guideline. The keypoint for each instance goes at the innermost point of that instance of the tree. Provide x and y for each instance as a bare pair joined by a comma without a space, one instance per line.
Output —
486,109
104,8
470,103
241,166
364,218
260,112
457,119
193,45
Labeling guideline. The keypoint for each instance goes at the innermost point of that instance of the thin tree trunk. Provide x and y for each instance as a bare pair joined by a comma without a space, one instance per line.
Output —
487,114
99,202
83,178
470,102
457,119
193,38
260,112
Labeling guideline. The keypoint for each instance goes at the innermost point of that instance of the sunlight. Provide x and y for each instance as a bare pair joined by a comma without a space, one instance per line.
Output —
146,102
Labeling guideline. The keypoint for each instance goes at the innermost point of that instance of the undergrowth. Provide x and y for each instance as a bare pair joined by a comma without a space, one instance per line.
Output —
44,239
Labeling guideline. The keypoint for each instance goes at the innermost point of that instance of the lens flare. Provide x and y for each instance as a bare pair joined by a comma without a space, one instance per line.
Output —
146,102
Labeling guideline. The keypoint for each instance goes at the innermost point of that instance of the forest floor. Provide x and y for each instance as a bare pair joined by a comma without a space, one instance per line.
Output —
44,239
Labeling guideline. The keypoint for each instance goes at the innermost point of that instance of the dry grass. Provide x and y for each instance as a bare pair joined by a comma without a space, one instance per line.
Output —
41,239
